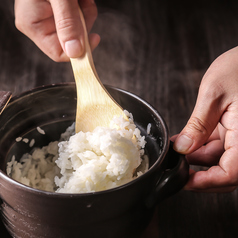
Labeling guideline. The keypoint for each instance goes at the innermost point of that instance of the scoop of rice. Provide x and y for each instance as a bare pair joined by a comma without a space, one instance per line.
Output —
84,162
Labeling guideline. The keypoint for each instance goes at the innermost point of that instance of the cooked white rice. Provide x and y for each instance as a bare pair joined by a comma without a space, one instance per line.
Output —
18,139
84,162
32,142
40,130
26,140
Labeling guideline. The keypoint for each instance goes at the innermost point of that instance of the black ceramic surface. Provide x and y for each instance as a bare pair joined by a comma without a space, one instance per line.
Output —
121,212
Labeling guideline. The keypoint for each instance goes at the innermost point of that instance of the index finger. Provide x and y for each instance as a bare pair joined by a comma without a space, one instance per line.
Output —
216,178
68,26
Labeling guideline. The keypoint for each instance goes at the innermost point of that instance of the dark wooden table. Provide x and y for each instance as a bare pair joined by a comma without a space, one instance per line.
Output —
158,50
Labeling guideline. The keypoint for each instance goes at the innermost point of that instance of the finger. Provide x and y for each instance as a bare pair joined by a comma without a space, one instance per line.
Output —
218,134
47,40
94,40
225,189
173,138
207,155
222,189
217,177
214,136
209,107
68,26
35,20
29,12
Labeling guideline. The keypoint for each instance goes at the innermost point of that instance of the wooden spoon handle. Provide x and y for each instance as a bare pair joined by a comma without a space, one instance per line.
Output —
84,65
87,48
95,106
4,99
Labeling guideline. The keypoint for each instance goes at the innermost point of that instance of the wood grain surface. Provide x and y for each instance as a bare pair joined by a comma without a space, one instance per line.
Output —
158,50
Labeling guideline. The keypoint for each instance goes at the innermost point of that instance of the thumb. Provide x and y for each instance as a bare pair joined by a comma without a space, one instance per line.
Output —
68,26
203,121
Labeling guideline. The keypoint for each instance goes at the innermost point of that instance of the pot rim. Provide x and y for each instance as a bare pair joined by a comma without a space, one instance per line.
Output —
157,163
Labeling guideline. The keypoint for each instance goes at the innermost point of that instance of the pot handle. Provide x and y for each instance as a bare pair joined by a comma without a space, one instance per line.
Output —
4,99
174,177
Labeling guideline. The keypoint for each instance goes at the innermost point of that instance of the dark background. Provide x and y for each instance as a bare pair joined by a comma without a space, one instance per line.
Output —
158,50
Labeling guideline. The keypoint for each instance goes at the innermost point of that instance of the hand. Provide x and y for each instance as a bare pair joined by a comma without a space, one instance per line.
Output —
210,137
55,27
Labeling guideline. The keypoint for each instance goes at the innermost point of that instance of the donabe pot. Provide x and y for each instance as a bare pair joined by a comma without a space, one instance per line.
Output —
120,212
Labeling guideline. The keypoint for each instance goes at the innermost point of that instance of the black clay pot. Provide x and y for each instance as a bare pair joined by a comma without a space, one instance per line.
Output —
121,212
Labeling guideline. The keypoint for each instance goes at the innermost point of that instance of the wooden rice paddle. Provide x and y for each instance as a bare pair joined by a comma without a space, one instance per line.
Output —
95,106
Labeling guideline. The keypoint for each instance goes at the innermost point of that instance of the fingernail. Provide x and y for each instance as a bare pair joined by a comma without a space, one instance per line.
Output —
73,48
183,143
